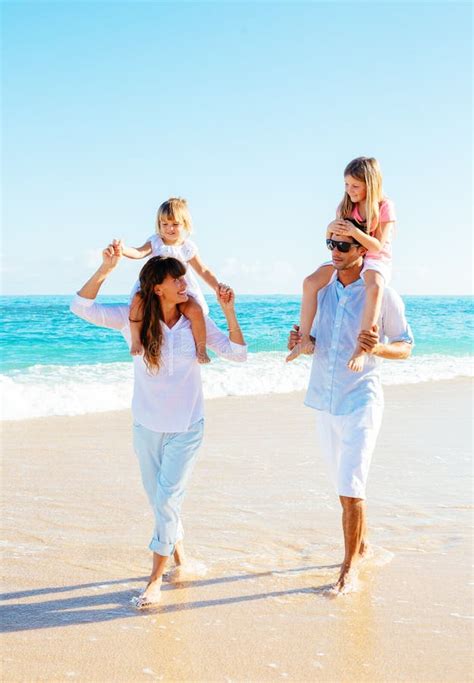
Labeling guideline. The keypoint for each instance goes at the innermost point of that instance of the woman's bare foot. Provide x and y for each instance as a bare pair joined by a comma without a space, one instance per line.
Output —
185,568
151,595
179,555
356,362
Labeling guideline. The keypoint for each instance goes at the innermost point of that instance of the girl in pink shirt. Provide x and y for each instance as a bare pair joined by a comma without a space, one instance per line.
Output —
364,202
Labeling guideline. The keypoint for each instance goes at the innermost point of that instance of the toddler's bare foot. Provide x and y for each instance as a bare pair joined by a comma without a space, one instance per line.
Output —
294,353
356,362
306,346
136,349
202,357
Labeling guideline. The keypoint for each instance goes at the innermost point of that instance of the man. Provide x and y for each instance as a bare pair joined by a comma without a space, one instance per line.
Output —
350,405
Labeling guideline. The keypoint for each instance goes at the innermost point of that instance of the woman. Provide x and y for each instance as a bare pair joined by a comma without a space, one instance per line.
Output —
167,405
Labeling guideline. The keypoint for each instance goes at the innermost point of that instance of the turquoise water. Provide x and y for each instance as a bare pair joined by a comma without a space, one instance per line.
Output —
39,330
54,363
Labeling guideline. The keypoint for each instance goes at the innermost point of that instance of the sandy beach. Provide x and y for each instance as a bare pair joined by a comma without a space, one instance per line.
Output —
263,528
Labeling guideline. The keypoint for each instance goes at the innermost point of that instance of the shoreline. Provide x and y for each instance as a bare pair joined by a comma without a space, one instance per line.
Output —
244,397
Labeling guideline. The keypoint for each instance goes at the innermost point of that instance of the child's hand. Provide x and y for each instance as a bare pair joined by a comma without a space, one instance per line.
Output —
225,296
334,226
345,228
112,254
223,291
118,247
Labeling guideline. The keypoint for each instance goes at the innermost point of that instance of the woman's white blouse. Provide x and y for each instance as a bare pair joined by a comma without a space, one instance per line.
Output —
170,400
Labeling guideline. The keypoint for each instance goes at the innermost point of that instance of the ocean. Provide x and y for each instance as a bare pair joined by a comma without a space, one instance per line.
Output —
53,363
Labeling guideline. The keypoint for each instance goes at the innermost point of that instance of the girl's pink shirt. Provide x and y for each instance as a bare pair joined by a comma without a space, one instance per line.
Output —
387,215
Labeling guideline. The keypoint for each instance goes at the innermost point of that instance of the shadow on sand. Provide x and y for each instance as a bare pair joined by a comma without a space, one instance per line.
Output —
106,606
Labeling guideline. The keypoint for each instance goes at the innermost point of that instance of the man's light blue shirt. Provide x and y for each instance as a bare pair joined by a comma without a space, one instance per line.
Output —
332,386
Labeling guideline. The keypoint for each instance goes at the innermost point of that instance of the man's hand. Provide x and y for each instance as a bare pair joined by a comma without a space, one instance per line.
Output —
369,340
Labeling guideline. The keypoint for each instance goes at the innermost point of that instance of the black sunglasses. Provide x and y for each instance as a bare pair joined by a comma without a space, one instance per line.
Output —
344,247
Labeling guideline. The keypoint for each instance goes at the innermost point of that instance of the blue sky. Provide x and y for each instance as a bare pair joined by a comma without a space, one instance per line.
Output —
250,111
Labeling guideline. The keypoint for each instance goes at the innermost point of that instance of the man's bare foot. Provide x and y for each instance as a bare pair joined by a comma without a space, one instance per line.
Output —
151,595
136,348
202,357
347,581
306,346
356,362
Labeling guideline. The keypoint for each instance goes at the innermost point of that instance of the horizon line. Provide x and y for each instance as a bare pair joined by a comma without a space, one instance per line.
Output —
211,296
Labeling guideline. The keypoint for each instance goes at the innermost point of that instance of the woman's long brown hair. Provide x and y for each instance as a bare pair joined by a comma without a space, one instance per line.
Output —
153,273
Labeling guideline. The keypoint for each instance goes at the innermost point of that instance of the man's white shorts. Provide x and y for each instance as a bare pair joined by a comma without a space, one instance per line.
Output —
347,443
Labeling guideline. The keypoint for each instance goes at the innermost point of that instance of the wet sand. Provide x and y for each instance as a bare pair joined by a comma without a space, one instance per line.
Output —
262,518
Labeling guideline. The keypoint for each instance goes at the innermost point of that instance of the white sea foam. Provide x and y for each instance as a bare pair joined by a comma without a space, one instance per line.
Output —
44,390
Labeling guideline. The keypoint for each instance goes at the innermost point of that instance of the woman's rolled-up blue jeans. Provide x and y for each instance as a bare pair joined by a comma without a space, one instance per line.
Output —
166,462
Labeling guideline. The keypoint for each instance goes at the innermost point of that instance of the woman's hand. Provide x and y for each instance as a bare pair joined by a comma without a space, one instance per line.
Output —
221,289
294,337
225,297
112,254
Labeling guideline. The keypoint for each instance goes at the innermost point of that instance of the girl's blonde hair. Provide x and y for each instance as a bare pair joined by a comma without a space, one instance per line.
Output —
174,209
367,170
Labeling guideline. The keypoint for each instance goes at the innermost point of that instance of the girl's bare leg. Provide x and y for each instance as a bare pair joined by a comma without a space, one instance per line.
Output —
193,311
311,286
374,285
136,319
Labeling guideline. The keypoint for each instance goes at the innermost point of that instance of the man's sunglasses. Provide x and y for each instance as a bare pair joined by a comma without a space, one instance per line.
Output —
344,247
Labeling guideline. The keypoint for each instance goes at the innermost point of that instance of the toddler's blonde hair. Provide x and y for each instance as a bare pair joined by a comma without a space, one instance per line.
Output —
174,209
367,170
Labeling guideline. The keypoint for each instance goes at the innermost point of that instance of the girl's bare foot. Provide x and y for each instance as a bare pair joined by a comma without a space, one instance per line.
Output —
356,362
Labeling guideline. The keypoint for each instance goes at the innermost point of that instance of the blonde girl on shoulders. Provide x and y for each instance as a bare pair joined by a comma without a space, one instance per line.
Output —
173,227
363,202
